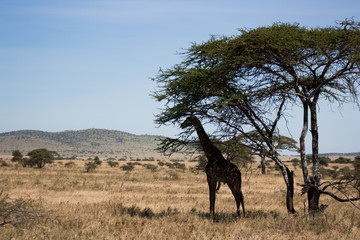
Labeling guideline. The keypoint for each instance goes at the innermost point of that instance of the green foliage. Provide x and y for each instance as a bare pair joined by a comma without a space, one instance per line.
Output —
17,156
356,165
324,161
113,164
342,160
176,165
97,161
329,172
90,166
39,157
346,171
151,167
128,167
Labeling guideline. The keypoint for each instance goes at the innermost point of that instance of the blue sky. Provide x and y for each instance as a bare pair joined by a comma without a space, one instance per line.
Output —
69,65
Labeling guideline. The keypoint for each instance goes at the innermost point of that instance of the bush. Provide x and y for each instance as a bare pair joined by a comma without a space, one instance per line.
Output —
97,161
17,156
356,165
342,160
90,166
70,164
3,163
113,164
346,171
161,163
329,172
151,167
128,167
324,161
20,211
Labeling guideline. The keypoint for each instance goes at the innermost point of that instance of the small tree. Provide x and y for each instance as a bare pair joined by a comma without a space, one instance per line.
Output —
39,157
90,166
17,156
356,164
113,164
97,161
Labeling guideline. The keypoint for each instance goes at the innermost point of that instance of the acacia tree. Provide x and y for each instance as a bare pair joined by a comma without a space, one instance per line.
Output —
305,65
202,85
39,157
249,79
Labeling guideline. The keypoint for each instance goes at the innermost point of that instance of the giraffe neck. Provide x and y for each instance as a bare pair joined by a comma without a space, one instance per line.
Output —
212,153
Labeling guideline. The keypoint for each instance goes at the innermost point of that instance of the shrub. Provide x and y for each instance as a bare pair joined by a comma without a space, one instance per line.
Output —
356,165
128,167
180,166
97,161
324,161
346,171
70,164
342,160
329,172
90,166
17,156
20,211
3,163
113,164
151,167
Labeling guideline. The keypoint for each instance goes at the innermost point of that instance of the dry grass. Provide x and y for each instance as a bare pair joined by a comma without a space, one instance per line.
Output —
166,204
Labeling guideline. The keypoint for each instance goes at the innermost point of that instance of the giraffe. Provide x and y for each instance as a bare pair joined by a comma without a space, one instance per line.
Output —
218,169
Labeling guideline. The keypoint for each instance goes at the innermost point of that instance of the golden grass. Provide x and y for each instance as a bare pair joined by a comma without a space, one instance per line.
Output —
167,204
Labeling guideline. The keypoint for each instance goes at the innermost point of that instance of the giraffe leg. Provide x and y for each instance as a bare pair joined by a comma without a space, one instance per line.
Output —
242,202
218,187
239,198
212,194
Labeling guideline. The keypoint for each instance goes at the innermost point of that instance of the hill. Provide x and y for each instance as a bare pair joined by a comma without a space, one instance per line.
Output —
89,142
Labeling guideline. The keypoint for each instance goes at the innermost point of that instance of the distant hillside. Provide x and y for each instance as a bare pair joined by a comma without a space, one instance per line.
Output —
88,142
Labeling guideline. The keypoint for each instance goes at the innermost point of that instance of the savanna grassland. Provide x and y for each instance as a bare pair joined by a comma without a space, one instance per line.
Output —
163,201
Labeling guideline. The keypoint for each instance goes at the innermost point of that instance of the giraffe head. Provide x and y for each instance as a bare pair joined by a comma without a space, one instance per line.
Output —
189,121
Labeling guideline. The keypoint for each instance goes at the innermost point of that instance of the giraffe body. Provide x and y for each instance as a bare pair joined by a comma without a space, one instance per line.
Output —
218,169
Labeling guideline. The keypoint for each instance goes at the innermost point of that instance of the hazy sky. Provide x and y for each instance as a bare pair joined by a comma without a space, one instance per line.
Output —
70,65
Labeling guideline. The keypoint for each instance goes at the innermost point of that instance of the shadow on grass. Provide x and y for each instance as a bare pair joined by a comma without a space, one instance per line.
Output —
144,213
232,217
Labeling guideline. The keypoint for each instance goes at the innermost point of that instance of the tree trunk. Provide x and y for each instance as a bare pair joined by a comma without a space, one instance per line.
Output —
302,142
313,196
289,181
313,192
263,167
290,192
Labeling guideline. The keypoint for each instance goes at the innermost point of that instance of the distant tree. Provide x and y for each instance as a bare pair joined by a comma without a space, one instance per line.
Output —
90,166
113,164
17,156
324,161
128,167
356,165
260,148
39,157
97,161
